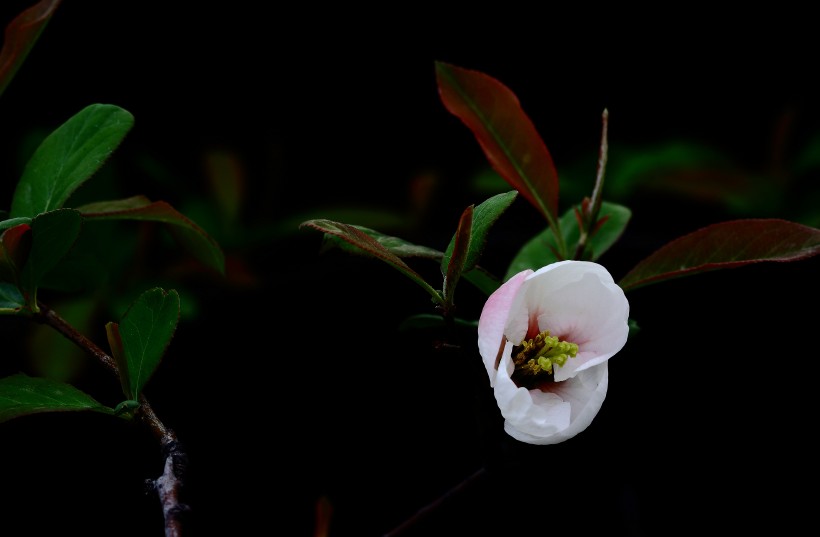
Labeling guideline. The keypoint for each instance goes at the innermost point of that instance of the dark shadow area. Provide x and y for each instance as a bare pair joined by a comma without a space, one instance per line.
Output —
290,379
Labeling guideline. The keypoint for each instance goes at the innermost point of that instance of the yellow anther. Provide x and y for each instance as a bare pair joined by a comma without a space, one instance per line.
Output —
534,358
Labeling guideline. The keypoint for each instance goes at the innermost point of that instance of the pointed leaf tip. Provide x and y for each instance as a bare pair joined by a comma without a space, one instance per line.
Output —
726,245
68,157
21,395
504,131
145,331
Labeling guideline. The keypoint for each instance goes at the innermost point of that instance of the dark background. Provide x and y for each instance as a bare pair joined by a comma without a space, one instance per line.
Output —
289,379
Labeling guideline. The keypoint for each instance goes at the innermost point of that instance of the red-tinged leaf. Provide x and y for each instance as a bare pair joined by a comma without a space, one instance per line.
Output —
20,36
458,256
366,245
506,134
112,331
186,232
15,245
726,245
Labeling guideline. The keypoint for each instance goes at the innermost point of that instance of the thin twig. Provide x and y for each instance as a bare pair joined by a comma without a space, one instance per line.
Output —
49,317
590,216
429,508
168,485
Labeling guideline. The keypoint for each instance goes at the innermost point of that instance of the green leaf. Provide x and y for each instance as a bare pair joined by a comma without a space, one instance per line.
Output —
11,300
20,36
11,222
542,249
506,134
484,216
52,236
21,395
612,221
68,157
192,237
140,339
366,245
725,245
485,282
454,262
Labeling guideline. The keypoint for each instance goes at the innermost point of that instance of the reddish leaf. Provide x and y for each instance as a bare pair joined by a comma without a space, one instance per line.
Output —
726,245
21,34
364,244
504,131
112,330
190,235
458,257
15,245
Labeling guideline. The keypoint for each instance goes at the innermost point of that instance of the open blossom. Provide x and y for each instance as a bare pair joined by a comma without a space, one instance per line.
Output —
545,338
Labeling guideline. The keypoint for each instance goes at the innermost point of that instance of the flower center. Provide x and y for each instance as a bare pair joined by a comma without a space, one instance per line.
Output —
535,358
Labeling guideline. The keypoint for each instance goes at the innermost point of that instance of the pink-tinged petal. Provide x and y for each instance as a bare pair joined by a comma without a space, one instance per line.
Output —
536,292
531,412
576,301
584,393
493,319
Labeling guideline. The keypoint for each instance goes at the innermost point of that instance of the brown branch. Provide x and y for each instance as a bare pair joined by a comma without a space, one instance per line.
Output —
49,317
168,485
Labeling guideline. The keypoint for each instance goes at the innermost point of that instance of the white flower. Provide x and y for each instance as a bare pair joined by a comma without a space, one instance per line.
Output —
545,338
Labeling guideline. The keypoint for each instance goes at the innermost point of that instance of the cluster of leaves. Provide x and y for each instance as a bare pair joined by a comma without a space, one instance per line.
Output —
585,231
39,230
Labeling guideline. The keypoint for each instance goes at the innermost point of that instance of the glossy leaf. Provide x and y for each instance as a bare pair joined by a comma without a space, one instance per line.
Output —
542,249
139,341
484,216
725,245
192,237
68,157
20,36
11,222
478,276
21,395
454,261
15,245
52,236
506,134
11,300
364,244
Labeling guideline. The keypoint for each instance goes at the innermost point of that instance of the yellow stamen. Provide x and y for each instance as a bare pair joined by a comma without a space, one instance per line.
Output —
535,358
